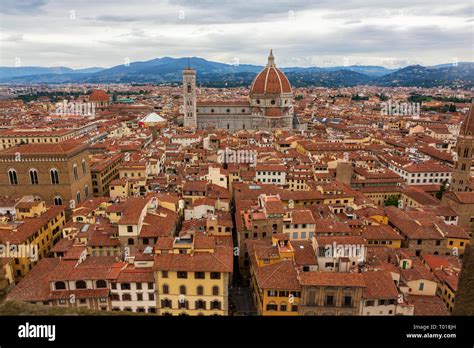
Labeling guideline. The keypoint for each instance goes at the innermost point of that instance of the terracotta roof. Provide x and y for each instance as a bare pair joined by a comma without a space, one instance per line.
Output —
99,95
279,276
270,80
331,279
379,285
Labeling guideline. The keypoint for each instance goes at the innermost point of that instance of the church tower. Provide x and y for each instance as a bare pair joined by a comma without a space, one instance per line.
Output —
189,98
464,148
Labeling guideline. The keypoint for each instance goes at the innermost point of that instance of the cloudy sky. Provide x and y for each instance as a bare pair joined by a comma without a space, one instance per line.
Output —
105,33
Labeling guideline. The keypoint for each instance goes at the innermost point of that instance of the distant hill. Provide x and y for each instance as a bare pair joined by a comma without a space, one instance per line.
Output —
8,72
168,70
461,75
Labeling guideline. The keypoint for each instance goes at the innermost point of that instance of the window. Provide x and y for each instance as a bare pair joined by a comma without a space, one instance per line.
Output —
58,200
164,274
183,275
34,177
272,293
272,307
60,286
129,229
100,284
150,285
182,290
166,289
80,284
125,286
283,307
421,287
165,303
347,300
215,290
84,167
78,197
76,175
200,290
199,275
12,176
329,300
200,304
151,296
215,275
215,305
138,286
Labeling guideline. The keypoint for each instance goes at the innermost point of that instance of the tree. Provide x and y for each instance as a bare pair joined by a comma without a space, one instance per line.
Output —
392,200
440,193
452,108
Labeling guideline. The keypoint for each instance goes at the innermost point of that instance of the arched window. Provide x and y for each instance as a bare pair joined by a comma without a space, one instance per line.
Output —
60,285
466,152
78,197
74,168
182,290
166,289
58,200
54,176
100,284
215,305
200,304
80,284
86,191
84,167
12,176
200,290
215,290
34,177
189,88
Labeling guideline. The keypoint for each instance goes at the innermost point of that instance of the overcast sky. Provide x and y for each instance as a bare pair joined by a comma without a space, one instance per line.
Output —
105,33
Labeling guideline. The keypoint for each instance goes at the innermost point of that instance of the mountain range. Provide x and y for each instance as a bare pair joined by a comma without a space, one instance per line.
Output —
168,70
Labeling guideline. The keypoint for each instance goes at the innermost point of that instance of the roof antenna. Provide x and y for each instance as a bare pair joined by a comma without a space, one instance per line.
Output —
188,64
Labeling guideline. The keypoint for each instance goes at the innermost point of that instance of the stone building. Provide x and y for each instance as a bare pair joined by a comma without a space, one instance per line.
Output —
461,176
56,173
269,104
331,293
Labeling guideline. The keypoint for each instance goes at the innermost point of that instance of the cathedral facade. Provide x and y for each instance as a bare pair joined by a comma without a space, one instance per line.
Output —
269,104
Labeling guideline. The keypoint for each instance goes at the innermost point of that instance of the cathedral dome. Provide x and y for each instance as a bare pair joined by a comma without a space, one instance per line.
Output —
270,80
99,96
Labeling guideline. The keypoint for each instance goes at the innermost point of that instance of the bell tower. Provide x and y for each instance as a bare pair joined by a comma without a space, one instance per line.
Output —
189,97
464,148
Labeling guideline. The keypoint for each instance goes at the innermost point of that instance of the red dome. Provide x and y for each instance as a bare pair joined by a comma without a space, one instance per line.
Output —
270,80
98,96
